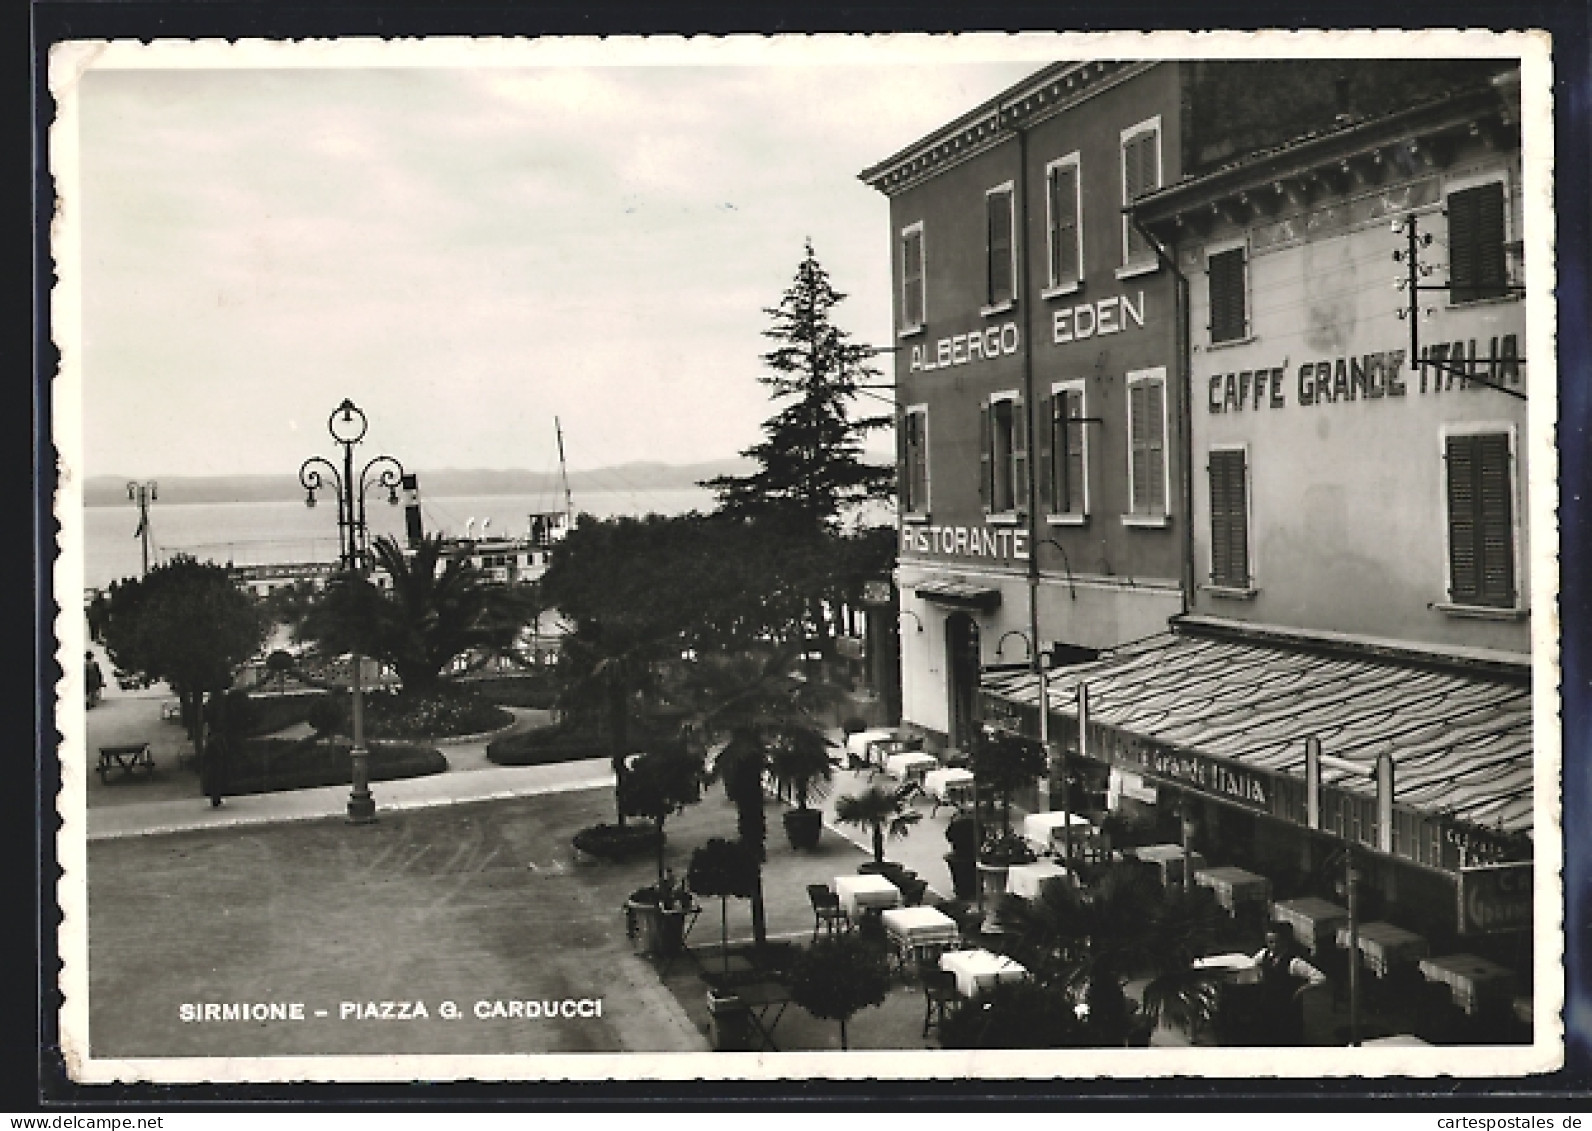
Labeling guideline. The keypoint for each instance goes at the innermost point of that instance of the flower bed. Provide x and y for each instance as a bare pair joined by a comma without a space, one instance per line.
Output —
447,712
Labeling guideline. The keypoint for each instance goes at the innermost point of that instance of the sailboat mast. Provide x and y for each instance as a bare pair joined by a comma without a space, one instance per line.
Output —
569,501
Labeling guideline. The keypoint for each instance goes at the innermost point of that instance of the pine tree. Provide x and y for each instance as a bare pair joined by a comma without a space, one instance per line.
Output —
811,461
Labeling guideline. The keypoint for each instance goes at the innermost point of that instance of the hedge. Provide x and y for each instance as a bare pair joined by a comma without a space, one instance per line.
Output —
543,746
536,691
262,765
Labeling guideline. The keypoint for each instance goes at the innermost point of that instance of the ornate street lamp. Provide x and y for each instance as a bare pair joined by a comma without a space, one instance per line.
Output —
142,494
347,425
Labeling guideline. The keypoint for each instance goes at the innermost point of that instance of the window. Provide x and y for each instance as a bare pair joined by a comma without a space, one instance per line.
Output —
1063,482
1001,272
1226,274
915,461
1064,223
1147,486
912,286
1003,455
1141,175
1229,518
1476,267
1481,537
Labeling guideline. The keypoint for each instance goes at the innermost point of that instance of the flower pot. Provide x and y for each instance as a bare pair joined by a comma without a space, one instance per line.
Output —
993,878
803,827
654,930
964,875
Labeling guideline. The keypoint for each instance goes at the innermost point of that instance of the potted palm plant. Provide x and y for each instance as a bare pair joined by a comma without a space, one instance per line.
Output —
799,762
885,813
657,786
1001,849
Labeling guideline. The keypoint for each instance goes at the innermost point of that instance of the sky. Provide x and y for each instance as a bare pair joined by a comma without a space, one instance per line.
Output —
468,251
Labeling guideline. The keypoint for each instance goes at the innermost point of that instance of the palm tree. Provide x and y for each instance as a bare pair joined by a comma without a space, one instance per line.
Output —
883,812
440,608
1091,944
755,704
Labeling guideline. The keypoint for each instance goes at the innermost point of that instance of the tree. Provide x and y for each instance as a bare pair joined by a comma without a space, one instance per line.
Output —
1004,764
723,868
838,977
1015,1015
659,785
811,457
884,813
188,623
755,703
440,608
1127,927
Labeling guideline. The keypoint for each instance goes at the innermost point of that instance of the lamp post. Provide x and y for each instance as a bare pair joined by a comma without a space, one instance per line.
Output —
142,494
347,424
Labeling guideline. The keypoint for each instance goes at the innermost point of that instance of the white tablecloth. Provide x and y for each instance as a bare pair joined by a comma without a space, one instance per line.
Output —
1385,946
1234,887
952,785
1314,921
1029,880
1471,977
865,890
1044,830
920,926
978,970
912,764
857,744
1169,859
1233,966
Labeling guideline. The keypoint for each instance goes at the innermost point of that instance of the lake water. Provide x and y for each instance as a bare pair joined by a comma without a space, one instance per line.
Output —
261,533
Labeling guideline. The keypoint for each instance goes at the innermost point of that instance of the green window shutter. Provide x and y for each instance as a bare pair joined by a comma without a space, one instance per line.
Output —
1229,519
912,278
1019,456
904,462
1155,445
998,207
1140,177
1463,573
1496,520
1072,428
986,469
1225,277
1476,267
1064,225
1045,435
1139,468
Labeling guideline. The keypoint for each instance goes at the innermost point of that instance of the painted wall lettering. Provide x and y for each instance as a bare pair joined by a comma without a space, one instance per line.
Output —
964,349
1247,389
1111,315
998,542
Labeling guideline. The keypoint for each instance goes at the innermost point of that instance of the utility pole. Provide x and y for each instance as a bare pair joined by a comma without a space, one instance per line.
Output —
142,494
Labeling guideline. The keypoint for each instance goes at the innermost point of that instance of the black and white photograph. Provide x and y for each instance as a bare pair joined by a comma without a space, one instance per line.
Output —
1022,556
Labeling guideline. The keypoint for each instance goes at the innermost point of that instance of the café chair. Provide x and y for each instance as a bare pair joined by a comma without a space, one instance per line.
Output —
827,912
939,991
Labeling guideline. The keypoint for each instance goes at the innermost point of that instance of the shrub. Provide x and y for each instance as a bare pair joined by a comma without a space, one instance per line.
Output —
1014,1015
449,711
272,713
533,689
839,976
543,746
617,842
261,765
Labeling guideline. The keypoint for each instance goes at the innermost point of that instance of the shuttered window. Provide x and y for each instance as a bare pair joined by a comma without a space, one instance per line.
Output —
1229,518
1141,175
1061,191
1225,272
1001,271
1476,268
1481,540
1067,494
1147,438
912,297
915,462
1003,456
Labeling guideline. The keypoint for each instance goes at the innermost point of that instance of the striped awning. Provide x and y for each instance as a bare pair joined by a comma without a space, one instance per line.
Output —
1461,744
959,594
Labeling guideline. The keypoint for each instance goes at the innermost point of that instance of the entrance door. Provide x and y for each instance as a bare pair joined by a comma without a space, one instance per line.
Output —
962,667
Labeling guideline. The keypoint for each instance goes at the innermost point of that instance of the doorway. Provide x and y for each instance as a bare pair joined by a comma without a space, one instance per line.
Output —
962,672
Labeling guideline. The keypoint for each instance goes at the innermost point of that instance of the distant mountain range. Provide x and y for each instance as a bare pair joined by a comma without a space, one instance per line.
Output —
110,490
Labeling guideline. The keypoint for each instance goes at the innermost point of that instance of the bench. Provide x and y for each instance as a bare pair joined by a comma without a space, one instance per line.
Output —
129,759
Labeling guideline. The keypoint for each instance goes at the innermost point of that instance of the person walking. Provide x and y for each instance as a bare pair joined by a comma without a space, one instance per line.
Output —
95,679
1284,978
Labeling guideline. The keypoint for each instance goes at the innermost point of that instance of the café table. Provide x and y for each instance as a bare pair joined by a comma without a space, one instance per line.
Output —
1385,946
951,785
1234,887
867,890
1030,880
919,932
910,765
859,744
1045,830
1234,967
979,970
1169,859
1313,921
1473,979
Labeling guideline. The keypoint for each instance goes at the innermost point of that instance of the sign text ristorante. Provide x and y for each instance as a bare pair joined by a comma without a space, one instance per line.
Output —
997,542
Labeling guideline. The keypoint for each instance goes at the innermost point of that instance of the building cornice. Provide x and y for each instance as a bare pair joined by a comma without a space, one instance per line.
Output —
1051,91
1342,160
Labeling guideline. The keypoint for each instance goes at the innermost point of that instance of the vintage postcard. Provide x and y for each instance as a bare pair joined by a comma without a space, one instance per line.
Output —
995,556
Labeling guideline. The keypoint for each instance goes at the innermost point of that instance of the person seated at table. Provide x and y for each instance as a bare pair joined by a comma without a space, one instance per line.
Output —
1284,978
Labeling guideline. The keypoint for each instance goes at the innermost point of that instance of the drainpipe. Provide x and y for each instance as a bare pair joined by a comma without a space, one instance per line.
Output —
1185,415
1031,403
